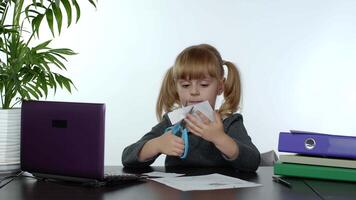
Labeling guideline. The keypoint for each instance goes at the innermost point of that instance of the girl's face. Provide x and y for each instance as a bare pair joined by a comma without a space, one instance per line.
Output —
198,90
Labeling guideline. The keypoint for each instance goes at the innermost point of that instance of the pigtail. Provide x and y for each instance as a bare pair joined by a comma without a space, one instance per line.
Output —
168,95
232,90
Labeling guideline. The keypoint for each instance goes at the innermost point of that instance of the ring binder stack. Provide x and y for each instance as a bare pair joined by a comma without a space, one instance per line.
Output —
317,155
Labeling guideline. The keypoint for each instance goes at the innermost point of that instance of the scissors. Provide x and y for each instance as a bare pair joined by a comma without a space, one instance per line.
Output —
180,128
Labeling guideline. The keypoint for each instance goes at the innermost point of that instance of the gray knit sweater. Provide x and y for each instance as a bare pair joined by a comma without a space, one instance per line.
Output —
201,152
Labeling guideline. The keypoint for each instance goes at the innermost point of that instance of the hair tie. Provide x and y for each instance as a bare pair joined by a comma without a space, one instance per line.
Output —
223,63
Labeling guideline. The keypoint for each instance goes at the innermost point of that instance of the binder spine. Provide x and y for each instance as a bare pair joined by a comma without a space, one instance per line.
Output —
311,171
318,144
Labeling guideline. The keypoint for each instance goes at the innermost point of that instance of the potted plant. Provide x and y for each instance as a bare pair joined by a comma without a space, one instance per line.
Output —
29,68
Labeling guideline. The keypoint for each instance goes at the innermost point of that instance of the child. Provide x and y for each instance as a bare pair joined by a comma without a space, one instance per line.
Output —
197,76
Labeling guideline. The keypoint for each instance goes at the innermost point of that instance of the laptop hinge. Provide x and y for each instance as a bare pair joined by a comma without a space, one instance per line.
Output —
64,178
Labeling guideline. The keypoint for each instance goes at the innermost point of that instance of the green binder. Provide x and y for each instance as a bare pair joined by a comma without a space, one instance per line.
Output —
314,171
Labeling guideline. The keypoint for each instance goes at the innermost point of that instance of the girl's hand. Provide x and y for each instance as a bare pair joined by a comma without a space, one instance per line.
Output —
170,144
204,128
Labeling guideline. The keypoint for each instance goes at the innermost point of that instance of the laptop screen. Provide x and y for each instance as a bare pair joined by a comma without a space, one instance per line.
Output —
63,138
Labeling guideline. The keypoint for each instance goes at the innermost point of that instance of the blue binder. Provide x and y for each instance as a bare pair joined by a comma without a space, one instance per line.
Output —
317,144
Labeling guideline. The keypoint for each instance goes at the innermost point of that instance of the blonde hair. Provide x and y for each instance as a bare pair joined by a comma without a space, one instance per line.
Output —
195,62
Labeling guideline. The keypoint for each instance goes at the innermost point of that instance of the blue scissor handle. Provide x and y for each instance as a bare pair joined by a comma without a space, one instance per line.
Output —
175,130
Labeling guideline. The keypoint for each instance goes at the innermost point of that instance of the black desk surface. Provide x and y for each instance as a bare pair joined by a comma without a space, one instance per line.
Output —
29,188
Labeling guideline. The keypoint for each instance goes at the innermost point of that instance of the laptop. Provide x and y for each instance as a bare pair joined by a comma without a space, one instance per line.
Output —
65,141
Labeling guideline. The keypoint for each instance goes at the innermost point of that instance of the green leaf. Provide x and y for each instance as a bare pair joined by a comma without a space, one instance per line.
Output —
31,91
55,61
68,9
27,78
36,22
77,8
52,81
32,13
58,80
63,51
42,45
58,14
47,68
59,56
34,2
3,6
67,85
36,89
24,94
92,2
26,69
41,80
49,16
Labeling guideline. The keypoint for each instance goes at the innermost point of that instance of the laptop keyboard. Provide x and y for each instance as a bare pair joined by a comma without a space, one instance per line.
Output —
122,178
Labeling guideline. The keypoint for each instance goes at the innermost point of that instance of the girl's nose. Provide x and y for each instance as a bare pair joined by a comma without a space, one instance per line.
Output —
194,91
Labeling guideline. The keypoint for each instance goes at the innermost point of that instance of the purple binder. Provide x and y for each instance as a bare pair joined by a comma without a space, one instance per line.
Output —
317,144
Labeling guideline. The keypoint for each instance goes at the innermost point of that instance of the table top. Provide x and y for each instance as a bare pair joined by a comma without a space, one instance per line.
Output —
29,188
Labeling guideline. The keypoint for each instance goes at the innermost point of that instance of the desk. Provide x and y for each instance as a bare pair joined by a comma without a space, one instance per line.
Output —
31,189
333,190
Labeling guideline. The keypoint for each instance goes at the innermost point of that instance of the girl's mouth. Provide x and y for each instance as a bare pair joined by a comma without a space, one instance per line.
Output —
194,102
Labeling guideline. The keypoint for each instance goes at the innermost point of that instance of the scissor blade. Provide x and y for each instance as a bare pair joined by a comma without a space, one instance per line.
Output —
191,110
183,123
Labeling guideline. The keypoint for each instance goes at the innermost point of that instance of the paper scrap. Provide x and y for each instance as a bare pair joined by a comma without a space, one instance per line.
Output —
162,174
180,113
205,182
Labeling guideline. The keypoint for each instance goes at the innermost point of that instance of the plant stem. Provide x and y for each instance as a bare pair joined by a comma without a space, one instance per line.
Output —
16,103
2,99
6,102
17,12
7,96
16,17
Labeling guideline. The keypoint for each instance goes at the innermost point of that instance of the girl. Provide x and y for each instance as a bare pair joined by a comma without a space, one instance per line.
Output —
197,76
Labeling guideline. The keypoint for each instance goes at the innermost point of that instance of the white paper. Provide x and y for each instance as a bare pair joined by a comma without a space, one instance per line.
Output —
163,174
180,113
205,182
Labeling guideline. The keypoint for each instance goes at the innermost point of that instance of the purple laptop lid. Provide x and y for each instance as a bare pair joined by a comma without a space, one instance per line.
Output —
63,138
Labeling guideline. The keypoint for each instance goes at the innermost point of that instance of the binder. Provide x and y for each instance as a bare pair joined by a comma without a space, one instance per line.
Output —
323,145
313,160
313,171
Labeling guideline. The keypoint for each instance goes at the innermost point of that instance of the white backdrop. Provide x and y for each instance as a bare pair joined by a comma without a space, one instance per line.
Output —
297,61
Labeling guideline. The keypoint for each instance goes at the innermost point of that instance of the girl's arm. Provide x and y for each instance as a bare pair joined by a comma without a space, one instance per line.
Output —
168,144
213,132
248,156
149,150
145,151
227,146
229,137
130,155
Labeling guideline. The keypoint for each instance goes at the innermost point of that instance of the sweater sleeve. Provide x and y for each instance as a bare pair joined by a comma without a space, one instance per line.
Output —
249,156
130,154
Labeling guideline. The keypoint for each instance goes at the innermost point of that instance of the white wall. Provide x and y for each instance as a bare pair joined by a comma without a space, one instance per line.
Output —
296,59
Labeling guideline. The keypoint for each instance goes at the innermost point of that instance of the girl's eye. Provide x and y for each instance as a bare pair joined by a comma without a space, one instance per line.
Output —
204,84
185,85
